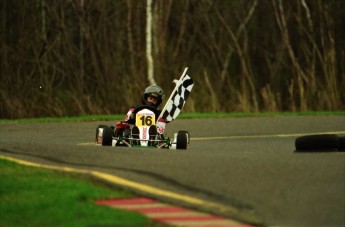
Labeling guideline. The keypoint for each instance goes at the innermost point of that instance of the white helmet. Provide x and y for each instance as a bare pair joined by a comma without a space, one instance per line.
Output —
156,91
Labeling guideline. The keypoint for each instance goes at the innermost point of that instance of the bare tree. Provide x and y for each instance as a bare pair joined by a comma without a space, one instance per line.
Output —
95,57
150,65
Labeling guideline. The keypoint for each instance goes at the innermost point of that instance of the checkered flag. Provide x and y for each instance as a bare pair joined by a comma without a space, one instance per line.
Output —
177,98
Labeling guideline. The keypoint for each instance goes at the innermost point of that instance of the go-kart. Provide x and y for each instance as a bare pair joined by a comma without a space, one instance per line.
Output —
142,134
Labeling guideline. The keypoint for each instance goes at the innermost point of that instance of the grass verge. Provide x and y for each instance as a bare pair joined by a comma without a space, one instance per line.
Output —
118,117
34,197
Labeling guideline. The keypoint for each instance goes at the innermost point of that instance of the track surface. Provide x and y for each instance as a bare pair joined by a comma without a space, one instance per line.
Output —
248,164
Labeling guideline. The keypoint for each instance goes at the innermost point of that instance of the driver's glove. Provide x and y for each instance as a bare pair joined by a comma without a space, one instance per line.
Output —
161,122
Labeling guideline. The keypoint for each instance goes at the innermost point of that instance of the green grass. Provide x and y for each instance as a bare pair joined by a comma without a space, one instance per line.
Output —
115,117
35,197
261,114
84,118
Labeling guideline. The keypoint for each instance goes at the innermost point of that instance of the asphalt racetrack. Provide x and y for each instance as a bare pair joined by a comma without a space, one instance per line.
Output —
244,168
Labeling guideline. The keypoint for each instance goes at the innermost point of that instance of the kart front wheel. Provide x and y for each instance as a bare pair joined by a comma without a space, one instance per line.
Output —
107,136
182,140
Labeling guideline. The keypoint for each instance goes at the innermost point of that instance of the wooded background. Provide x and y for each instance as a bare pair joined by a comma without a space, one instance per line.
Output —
75,57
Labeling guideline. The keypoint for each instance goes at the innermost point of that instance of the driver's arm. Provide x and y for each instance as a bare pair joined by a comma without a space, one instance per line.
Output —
130,116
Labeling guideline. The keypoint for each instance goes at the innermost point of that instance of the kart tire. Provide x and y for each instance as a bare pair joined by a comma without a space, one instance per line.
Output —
182,140
97,130
325,142
153,135
187,135
341,143
135,135
107,136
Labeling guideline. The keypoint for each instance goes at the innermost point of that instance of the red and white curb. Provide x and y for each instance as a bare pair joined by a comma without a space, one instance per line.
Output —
172,215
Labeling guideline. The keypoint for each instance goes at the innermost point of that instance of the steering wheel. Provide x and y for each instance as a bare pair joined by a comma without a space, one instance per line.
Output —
141,107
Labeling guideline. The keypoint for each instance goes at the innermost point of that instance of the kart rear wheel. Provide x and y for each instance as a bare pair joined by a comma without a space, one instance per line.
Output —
97,131
107,136
182,140
325,142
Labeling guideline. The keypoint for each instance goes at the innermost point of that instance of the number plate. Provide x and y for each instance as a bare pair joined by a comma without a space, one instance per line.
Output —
145,119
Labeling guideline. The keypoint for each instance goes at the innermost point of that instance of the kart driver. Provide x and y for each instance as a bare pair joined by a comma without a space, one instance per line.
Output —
153,96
